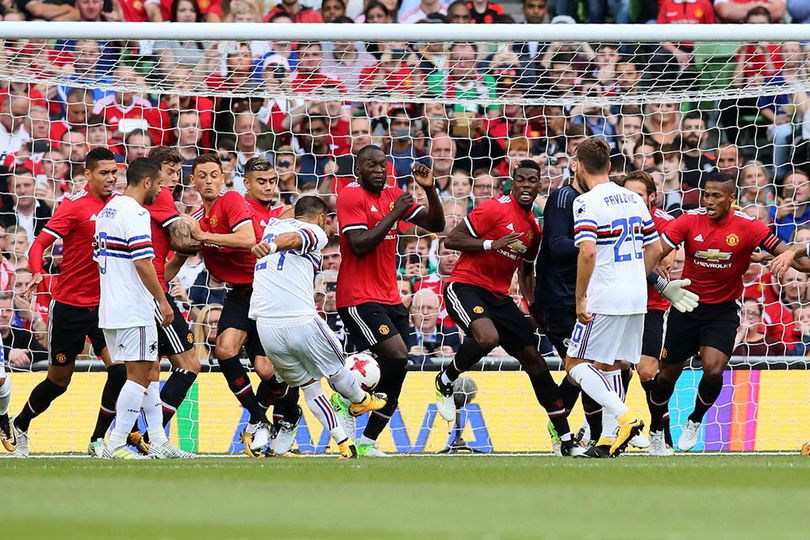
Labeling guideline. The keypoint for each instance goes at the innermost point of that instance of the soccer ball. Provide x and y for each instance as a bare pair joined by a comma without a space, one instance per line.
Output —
365,369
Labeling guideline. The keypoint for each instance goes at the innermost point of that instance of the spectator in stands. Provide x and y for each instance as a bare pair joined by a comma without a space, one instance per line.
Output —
736,11
458,12
330,256
13,110
442,154
401,149
801,315
755,185
308,76
462,78
414,12
484,11
485,186
27,212
729,160
325,289
750,339
137,144
793,209
629,131
128,108
183,53
189,136
248,130
332,9
647,156
205,326
697,162
48,11
311,134
597,10
454,213
28,313
427,337
20,346
346,61
287,166
294,9
662,122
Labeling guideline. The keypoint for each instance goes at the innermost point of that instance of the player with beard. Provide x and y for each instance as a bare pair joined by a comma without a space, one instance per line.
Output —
718,242
499,237
368,299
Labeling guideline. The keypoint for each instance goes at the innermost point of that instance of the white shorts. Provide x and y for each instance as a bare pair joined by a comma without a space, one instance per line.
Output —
132,344
608,338
301,353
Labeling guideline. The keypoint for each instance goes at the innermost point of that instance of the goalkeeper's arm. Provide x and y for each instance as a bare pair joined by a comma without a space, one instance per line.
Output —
674,291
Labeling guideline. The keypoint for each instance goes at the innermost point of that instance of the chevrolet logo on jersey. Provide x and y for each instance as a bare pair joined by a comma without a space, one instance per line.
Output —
713,255
518,247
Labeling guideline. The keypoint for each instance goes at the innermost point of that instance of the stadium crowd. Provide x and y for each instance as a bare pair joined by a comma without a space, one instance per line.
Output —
261,102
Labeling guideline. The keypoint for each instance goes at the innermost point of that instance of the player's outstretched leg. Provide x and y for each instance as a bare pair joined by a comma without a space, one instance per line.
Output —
660,441
116,377
323,411
594,384
663,386
7,436
175,390
127,408
350,400
472,349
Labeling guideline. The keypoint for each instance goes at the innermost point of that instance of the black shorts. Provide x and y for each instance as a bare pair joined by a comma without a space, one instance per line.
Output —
467,303
709,325
234,314
68,328
653,339
558,325
371,323
177,337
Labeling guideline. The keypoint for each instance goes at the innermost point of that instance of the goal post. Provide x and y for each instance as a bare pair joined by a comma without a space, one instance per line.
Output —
679,101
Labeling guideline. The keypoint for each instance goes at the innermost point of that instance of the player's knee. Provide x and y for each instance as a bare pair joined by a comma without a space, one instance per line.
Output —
264,370
223,351
488,339
646,369
187,361
60,376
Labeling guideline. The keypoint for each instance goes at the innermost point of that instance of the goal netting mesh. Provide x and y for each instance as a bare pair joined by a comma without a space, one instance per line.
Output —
471,108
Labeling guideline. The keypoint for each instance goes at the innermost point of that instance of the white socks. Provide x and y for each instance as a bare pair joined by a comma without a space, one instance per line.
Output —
127,409
595,385
323,411
347,386
153,412
5,395
609,423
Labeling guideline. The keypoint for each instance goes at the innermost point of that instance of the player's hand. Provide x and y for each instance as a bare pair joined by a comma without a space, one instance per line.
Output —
761,256
681,299
166,314
582,311
506,240
402,204
194,227
423,175
261,250
36,279
782,262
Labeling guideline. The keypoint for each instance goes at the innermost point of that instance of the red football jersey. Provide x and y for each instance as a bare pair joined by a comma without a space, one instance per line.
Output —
718,253
163,213
229,212
493,270
654,298
372,278
262,215
74,222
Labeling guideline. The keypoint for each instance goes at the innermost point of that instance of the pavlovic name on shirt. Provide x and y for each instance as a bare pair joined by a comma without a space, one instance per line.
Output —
620,198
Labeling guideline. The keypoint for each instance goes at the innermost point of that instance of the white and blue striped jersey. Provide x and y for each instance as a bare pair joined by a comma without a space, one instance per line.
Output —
283,284
619,223
123,235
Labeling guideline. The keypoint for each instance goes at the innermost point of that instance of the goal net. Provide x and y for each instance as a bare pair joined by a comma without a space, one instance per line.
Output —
472,102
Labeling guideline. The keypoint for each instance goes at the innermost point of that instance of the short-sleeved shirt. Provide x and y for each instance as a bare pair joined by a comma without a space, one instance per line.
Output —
163,213
654,299
718,252
371,278
283,287
228,213
681,12
620,225
493,269
74,222
123,236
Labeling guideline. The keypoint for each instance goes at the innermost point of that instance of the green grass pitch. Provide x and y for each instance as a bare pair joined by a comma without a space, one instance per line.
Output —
493,497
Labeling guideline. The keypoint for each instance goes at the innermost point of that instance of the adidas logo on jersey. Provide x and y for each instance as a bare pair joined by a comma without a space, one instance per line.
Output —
374,208
93,217
698,238
511,227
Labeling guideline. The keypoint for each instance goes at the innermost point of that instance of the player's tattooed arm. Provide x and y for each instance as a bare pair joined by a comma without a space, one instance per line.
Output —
786,257
180,237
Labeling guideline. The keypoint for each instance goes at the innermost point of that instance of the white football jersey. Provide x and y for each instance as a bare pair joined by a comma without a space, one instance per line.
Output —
123,235
283,284
619,223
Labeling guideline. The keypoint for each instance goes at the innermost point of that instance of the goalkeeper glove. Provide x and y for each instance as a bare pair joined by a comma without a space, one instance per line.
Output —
674,291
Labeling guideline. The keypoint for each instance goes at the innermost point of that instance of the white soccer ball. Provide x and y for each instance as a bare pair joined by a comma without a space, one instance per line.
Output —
365,369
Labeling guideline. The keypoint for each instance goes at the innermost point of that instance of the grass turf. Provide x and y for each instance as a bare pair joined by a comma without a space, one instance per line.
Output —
762,497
